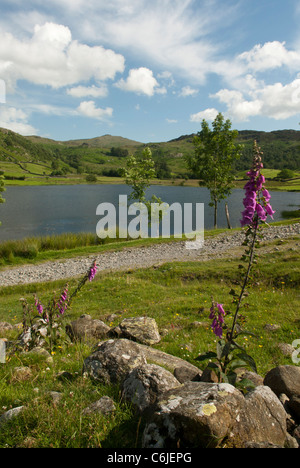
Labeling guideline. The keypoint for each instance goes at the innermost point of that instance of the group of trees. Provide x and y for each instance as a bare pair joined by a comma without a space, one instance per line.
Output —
212,162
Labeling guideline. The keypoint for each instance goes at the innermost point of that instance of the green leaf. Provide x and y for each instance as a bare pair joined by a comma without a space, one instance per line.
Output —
237,363
249,360
208,355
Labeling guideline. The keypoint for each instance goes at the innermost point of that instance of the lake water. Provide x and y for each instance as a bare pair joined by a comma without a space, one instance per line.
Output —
45,210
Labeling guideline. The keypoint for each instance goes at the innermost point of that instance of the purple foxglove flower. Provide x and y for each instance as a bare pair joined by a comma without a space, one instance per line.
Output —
270,210
260,181
39,307
266,195
260,212
92,272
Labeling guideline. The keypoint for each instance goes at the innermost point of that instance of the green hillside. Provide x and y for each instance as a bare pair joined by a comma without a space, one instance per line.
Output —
41,160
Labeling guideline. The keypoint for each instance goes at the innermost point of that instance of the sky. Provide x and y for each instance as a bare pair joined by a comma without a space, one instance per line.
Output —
150,71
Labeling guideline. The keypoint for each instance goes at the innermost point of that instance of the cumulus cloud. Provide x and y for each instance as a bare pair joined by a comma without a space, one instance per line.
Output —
275,101
16,120
207,114
269,56
50,57
89,109
141,81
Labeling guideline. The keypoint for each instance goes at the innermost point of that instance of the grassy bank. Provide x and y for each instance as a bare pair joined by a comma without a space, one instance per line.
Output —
39,249
275,185
176,295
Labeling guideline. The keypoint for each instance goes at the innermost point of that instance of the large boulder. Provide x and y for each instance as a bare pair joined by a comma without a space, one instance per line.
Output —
172,363
113,360
144,384
86,328
124,355
200,414
264,419
197,414
141,329
284,379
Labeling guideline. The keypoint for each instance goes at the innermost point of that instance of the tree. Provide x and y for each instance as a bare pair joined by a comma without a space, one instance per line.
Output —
2,189
138,174
212,162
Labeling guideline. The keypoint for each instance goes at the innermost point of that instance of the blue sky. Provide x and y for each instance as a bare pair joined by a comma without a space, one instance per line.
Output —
148,70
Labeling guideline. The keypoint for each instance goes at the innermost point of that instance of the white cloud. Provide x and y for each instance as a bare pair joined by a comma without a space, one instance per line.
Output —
170,33
188,91
269,56
208,114
50,57
172,121
141,81
85,91
89,109
275,101
15,120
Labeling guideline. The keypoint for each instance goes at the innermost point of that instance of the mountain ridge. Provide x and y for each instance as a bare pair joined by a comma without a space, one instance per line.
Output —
21,156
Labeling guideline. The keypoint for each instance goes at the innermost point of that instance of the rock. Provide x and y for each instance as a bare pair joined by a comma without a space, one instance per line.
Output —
264,419
144,384
104,406
56,397
260,445
256,379
86,328
141,329
272,327
5,326
155,356
202,415
286,349
186,374
294,405
296,434
197,414
10,414
42,353
284,379
209,375
20,374
113,360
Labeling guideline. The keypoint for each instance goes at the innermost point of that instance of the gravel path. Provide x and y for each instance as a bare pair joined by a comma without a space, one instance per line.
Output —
139,257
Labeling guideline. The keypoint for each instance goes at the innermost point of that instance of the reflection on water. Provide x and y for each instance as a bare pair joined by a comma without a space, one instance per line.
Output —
35,211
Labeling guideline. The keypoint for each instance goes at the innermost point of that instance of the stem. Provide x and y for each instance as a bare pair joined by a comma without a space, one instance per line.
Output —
245,280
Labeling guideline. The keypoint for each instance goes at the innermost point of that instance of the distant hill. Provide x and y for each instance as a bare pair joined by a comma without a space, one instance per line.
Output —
105,155
105,141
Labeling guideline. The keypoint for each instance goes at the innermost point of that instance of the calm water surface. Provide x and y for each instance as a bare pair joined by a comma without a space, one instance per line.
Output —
39,211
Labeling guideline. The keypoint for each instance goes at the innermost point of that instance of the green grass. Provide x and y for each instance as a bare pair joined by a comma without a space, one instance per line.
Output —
176,295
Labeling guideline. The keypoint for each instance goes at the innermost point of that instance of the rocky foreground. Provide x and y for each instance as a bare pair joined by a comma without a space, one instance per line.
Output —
221,246
182,406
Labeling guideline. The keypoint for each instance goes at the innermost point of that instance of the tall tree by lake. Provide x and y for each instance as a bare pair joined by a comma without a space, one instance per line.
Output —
212,161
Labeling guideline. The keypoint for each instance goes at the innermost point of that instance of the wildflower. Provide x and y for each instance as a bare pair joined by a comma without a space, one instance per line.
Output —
217,316
257,198
63,301
39,306
92,272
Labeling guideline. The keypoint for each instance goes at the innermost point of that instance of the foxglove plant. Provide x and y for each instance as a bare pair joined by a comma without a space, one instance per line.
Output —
257,207
45,327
